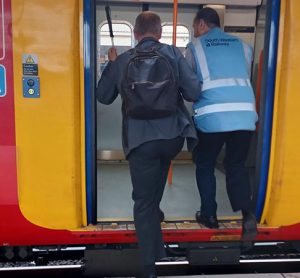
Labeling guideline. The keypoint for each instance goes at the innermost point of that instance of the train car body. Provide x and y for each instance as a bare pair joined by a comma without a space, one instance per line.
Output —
50,126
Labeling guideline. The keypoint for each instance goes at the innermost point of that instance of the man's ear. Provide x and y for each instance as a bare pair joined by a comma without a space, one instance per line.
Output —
136,36
201,24
197,28
158,36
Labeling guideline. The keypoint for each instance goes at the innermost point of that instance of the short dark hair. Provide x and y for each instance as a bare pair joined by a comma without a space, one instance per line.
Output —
147,22
209,16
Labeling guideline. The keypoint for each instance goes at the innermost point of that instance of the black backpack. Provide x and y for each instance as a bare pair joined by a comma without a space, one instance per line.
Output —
149,88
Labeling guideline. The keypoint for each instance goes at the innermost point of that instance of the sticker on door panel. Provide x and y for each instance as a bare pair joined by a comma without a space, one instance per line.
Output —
2,81
2,32
30,64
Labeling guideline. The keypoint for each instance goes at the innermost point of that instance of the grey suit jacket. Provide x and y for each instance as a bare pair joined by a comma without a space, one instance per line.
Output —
136,132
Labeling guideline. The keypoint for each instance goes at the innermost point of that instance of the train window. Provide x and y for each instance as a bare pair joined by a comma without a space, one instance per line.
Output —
182,32
123,40
122,34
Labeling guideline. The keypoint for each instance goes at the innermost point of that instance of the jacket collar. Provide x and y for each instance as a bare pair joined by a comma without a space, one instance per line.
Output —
146,40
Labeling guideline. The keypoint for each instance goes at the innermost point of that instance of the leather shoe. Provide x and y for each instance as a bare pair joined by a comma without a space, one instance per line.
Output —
161,215
249,231
208,221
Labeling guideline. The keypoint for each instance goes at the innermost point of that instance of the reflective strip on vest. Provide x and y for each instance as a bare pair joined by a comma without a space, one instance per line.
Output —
225,107
202,61
225,83
248,56
216,83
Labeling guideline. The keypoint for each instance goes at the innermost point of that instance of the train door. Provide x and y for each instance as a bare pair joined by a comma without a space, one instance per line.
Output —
112,183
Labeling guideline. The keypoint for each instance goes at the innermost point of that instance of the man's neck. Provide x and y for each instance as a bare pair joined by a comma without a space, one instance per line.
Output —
147,35
208,30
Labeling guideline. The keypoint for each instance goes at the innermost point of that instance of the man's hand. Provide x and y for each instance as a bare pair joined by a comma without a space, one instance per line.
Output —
112,54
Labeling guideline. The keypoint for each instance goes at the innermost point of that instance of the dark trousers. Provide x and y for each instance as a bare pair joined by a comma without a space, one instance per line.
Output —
149,165
237,181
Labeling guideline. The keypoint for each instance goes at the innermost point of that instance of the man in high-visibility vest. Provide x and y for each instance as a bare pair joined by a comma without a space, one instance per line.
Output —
224,114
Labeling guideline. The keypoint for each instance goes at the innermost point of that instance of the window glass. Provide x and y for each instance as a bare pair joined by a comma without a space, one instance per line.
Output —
182,35
123,40
122,34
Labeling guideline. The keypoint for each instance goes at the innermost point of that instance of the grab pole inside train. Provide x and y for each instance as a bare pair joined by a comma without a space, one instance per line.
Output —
175,12
108,17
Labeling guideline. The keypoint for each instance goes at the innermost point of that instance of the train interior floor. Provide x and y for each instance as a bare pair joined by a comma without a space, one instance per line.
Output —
180,200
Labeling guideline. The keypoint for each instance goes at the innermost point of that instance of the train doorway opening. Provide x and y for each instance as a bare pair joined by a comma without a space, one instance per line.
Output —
109,187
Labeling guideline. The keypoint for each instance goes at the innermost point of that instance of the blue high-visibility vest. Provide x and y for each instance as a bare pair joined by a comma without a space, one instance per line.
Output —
227,101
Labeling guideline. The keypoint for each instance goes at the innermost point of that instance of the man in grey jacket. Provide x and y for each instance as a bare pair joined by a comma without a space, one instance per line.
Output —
150,145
